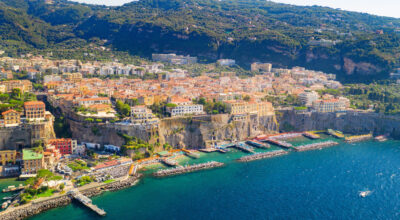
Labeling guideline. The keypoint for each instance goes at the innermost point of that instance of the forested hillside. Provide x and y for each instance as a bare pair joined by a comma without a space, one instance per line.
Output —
349,44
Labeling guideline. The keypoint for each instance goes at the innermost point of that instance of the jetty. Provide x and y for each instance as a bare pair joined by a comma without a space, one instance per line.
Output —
187,169
311,135
358,138
314,146
244,147
258,144
87,202
336,134
289,135
260,156
13,188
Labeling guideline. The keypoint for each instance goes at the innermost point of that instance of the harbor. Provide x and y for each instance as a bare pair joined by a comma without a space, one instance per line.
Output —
187,169
314,146
260,156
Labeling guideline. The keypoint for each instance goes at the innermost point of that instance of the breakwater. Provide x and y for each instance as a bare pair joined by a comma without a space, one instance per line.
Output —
36,207
260,156
187,169
316,145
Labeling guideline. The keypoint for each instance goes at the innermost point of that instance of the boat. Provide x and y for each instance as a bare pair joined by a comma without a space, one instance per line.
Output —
7,198
381,138
365,193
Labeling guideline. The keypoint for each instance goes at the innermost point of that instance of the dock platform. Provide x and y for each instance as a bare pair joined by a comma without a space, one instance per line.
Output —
244,147
87,202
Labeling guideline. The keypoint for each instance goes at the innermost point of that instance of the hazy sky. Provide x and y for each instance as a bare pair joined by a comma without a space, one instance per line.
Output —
379,7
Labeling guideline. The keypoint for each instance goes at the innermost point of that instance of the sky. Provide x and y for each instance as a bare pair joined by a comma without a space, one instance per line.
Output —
389,8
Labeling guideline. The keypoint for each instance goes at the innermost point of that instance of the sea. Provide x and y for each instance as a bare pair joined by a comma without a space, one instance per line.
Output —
318,184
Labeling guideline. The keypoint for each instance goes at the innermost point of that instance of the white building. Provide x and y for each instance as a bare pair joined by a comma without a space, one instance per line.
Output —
186,110
307,98
142,115
226,62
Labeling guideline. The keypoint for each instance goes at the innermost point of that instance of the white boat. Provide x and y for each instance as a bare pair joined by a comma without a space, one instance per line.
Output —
365,193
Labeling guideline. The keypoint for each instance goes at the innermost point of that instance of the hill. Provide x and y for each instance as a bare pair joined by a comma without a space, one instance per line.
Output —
349,44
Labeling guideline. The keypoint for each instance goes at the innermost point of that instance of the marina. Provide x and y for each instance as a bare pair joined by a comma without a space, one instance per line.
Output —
187,169
314,146
260,156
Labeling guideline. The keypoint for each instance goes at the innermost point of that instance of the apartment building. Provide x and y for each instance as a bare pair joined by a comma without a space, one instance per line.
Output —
34,110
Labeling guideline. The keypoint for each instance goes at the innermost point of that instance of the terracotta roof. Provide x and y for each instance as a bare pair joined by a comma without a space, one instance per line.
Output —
34,103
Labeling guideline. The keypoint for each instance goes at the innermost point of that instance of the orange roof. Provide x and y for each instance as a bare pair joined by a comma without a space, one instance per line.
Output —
9,111
30,103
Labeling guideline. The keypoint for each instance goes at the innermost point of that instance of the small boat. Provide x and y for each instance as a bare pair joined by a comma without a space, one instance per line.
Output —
365,193
381,138
4,205
7,198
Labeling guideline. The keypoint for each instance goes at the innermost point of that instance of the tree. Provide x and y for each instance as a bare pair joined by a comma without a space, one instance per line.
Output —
123,108
246,98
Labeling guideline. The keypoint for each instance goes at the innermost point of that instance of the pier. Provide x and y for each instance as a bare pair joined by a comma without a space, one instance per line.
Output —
244,147
358,138
311,135
169,162
191,154
316,146
13,188
283,144
258,144
336,134
187,169
260,156
87,202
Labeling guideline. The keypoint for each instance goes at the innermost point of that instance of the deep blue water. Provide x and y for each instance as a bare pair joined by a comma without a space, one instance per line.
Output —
321,184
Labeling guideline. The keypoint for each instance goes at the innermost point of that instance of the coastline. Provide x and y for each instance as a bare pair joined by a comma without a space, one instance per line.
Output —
34,208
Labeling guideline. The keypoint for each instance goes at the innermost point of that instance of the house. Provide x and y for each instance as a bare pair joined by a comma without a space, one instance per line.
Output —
64,145
11,118
142,115
91,101
7,157
226,62
31,161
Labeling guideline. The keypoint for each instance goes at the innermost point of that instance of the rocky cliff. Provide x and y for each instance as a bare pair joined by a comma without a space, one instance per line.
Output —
350,122
180,132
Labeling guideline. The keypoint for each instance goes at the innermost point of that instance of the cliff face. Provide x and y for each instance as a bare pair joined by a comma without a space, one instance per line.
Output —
183,132
351,122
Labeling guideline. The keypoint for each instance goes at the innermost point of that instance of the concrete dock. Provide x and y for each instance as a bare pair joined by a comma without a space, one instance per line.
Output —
87,202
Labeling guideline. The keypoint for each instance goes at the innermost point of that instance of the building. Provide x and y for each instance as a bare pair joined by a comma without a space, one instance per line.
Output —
34,110
8,157
51,156
92,101
64,145
331,105
79,150
261,67
238,107
112,148
174,59
181,110
31,161
146,100
142,115
11,118
226,62
308,97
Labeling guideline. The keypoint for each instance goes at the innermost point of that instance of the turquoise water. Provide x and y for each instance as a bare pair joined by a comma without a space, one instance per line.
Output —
320,184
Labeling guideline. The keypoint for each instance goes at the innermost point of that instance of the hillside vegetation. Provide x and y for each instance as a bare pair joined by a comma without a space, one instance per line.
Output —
349,44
